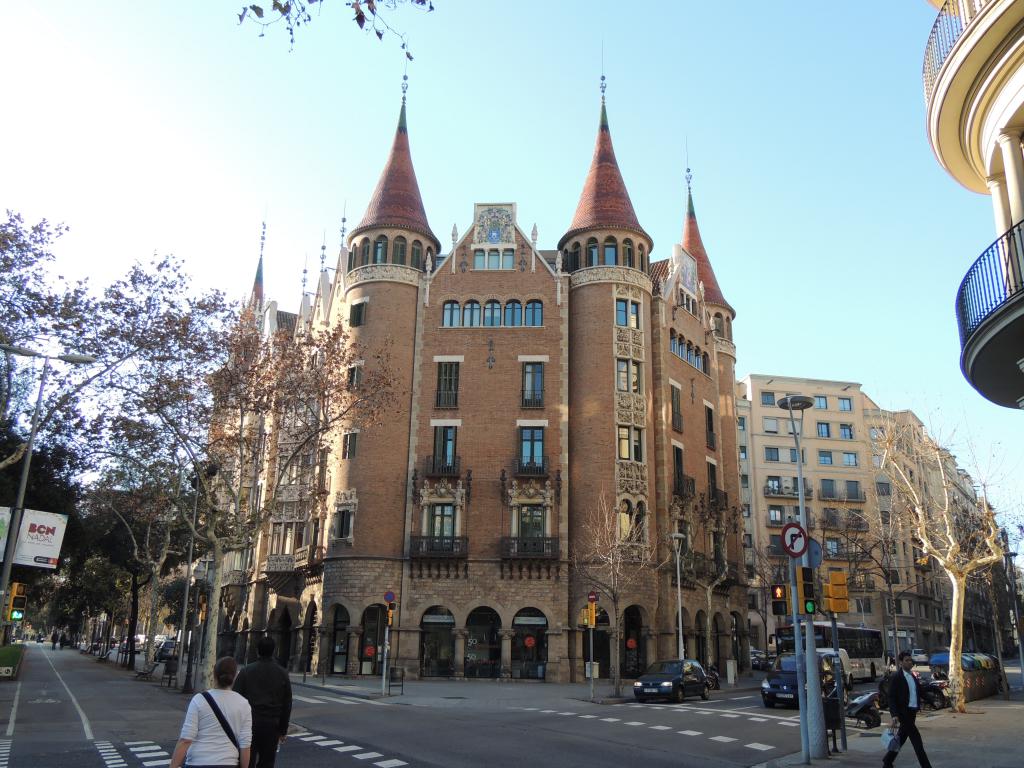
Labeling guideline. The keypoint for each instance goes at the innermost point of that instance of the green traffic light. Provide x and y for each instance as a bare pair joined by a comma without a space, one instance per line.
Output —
810,606
17,614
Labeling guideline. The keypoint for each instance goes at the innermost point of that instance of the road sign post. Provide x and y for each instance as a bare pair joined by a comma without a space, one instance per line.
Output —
389,598
592,620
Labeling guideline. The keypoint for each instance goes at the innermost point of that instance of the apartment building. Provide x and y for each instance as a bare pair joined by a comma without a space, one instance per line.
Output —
974,107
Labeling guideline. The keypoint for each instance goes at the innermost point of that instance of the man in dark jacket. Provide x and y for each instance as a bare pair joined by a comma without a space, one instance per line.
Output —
905,697
269,691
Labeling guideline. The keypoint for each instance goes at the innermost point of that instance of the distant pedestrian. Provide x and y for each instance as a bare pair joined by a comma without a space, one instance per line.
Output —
218,724
267,687
63,640
905,697
53,640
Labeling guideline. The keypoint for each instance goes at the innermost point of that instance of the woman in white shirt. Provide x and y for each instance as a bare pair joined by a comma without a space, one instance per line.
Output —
204,742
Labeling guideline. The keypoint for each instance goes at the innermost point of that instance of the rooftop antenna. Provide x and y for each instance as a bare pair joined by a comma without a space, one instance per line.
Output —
344,227
323,251
405,79
305,272
603,83
689,173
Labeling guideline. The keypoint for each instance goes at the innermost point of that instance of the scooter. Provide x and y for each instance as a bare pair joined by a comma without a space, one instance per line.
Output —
935,694
864,709
711,678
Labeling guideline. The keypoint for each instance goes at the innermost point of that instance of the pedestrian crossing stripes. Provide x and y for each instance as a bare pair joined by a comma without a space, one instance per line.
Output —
322,699
5,752
354,751
148,753
111,757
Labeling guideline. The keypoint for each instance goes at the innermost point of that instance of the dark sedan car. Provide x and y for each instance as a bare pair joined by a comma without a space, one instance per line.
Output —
673,679
779,685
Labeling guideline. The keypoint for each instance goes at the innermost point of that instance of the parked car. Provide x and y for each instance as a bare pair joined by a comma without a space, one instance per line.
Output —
168,650
673,679
919,655
780,684
758,659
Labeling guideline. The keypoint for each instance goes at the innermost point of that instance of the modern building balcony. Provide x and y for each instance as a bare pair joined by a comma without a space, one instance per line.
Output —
990,313
530,547
684,486
533,398
535,466
444,547
441,466
970,58
787,491
842,494
446,399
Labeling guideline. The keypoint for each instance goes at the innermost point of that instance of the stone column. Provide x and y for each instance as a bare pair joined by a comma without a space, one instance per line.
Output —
1000,202
407,640
506,652
1013,167
352,663
460,653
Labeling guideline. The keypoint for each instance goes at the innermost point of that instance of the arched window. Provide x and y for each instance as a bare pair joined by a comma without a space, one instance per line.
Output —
352,259
513,314
611,252
417,254
728,328
380,250
642,260
689,353
471,314
627,253
492,314
364,252
674,343
625,519
398,252
638,525
698,361
707,368
450,314
534,313
574,262
719,324
591,252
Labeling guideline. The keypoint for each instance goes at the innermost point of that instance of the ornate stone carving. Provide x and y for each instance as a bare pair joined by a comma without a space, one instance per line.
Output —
630,408
631,478
494,224
292,513
625,275
725,346
375,273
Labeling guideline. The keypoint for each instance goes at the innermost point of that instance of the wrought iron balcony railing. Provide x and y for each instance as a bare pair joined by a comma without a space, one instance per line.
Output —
712,441
684,486
533,398
438,546
838,494
279,564
787,491
532,467
527,547
996,278
441,466
446,399
954,17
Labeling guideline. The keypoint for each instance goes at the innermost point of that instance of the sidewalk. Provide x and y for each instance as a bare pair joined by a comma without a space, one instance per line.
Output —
987,737
455,693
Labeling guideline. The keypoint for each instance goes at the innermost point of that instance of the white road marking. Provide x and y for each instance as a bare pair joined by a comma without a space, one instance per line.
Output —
367,755
660,728
757,719
634,722
525,709
759,747
328,743
81,713
391,763
690,733
568,713
314,737
724,714
547,711
150,763
149,748
609,719
129,743
789,723
300,733
588,717
739,698
723,739
14,711
336,699
349,748
307,699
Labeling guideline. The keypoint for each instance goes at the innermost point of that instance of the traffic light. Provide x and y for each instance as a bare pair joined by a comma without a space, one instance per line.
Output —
837,598
391,613
805,590
780,600
592,614
18,602
202,607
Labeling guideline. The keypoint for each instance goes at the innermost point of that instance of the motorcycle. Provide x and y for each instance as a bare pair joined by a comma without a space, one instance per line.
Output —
864,709
711,678
935,694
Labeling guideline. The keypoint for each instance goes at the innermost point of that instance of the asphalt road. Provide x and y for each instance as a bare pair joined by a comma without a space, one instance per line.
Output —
69,710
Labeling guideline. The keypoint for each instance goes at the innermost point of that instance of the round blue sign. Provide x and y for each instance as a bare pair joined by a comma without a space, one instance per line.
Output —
389,596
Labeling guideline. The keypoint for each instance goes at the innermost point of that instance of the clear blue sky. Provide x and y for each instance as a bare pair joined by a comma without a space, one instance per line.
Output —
167,127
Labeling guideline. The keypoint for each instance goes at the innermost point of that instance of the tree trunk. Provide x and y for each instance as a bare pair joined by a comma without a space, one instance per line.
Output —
956,673
613,656
212,614
133,622
154,597
707,626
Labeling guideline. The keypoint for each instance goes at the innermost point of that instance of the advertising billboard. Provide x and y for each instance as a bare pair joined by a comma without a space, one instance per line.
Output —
42,534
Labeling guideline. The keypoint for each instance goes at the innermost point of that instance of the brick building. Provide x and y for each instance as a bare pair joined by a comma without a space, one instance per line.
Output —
536,385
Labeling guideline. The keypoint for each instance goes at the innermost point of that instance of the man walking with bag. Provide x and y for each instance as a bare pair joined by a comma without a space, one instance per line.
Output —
267,687
905,698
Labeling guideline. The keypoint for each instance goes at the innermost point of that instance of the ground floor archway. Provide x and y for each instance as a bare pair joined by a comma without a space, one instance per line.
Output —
631,646
339,641
437,643
371,642
483,643
529,644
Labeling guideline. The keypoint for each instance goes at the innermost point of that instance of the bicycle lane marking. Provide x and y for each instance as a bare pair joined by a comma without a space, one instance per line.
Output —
14,710
81,713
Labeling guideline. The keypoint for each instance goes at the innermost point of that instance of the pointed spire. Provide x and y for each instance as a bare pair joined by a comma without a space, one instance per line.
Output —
396,201
695,247
604,202
256,301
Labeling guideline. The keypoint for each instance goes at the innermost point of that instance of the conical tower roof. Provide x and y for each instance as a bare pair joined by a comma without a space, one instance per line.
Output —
604,202
396,201
695,247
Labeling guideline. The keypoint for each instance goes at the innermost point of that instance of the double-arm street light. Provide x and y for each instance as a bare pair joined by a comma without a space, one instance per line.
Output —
813,725
18,509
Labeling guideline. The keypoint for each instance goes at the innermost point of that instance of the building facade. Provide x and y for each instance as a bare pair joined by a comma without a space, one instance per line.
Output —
974,103
535,386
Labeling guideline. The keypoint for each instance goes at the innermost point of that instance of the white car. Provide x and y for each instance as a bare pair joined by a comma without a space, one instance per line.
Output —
919,656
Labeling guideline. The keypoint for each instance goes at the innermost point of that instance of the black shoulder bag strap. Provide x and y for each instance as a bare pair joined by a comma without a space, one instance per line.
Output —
223,721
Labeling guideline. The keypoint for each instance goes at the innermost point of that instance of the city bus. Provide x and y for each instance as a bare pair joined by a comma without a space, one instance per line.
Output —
862,645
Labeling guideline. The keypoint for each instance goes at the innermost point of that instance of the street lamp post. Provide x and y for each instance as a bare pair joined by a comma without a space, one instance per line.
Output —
18,510
817,739
1011,574
677,543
